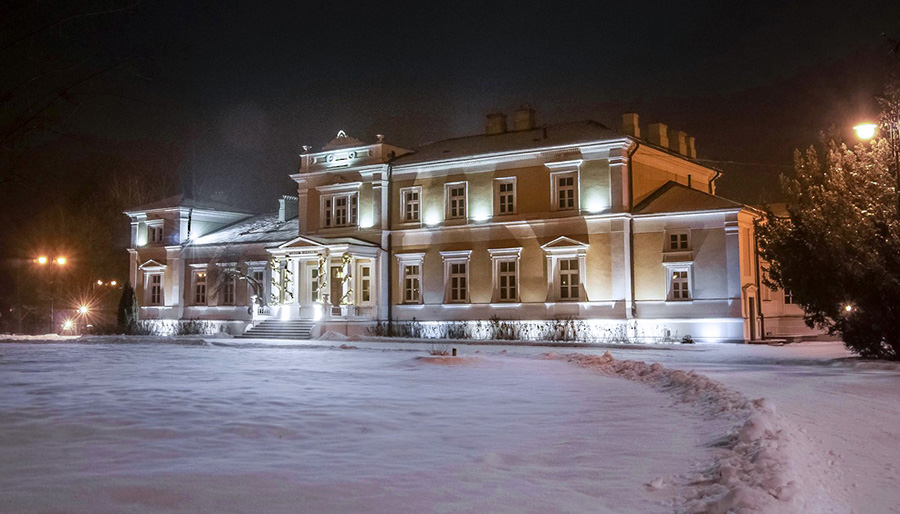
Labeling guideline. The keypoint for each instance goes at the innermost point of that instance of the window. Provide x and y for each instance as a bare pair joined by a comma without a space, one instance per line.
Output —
410,204
507,281
505,195
564,190
458,282
340,210
200,288
679,282
411,291
678,241
313,284
228,290
788,297
155,289
569,279
365,284
456,200
155,233
506,274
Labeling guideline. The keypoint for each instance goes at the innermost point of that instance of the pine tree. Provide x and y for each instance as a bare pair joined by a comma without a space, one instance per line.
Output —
126,315
838,248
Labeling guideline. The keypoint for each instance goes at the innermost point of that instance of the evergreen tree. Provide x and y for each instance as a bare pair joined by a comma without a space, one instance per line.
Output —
126,315
838,248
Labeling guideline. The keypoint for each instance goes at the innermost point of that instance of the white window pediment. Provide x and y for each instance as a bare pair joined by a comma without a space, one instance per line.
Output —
564,244
152,265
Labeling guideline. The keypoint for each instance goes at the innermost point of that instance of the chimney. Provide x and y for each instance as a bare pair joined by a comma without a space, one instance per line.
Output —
630,124
678,141
657,134
288,207
496,123
692,149
524,118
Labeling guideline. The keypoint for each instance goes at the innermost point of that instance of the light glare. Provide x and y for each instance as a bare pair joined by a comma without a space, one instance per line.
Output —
866,130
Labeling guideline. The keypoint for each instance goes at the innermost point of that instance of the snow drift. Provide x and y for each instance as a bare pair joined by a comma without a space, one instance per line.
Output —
762,464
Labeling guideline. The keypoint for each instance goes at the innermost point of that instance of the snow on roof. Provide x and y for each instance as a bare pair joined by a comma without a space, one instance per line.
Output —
181,201
539,137
265,228
675,197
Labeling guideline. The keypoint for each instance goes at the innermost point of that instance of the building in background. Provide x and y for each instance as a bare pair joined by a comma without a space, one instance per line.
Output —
621,230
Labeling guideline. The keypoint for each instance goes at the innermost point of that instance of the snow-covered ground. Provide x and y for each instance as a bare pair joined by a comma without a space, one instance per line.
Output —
350,426
187,428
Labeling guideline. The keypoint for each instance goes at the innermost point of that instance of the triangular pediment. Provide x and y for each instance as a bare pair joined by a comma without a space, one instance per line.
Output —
563,242
301,242
342,140
151,264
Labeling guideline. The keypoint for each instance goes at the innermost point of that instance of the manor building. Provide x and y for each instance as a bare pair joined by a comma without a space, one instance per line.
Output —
523,223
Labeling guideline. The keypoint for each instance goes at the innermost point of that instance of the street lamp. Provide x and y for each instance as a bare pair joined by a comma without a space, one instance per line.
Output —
58,262
867,131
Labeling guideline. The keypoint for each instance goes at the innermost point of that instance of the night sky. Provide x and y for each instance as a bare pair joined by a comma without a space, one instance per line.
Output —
230,91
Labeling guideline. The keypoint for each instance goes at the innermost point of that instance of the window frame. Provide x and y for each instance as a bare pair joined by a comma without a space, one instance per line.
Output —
329,211
366,282
451,259
498,182
448,200
683,237
155,232
229,286
150,287
404,202
564,170
677,268
499,256
563,248
197,273
403,261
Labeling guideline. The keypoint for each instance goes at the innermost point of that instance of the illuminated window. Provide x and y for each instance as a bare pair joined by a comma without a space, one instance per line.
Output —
155,281
569,279
679,282
200,288
340,210
155,233
564,187
411,281
505,195
313,284
456,200
228,291
365,283
678,241
456,276
411,204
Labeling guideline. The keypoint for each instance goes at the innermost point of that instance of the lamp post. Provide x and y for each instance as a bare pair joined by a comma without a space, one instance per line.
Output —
54,264
867,131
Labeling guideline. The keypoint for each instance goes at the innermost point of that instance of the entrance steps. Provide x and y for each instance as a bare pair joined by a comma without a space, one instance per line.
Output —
280,329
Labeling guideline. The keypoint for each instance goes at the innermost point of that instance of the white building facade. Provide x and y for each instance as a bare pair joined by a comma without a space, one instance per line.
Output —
523,225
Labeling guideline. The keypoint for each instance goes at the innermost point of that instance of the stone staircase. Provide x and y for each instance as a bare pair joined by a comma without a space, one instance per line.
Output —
280,329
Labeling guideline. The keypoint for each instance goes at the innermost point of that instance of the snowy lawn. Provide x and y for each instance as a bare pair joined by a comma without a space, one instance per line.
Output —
205,428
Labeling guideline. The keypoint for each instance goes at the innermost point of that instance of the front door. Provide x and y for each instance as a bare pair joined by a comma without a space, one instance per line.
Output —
337,287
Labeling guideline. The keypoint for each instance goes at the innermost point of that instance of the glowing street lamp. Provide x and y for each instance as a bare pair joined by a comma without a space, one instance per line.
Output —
60,261
67,325
83,310
42,260
866,131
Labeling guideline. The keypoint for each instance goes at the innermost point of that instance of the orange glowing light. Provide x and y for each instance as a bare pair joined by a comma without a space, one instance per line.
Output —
866,130
42,259
61,261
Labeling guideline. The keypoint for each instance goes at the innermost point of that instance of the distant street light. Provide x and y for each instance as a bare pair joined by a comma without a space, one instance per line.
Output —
59,262
83,310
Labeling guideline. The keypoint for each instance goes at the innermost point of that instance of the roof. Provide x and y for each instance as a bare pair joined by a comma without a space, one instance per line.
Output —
675,197
180,201
539,137
265,228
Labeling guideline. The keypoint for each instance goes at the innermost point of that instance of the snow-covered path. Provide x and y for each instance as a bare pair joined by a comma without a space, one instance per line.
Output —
171,428
848,409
